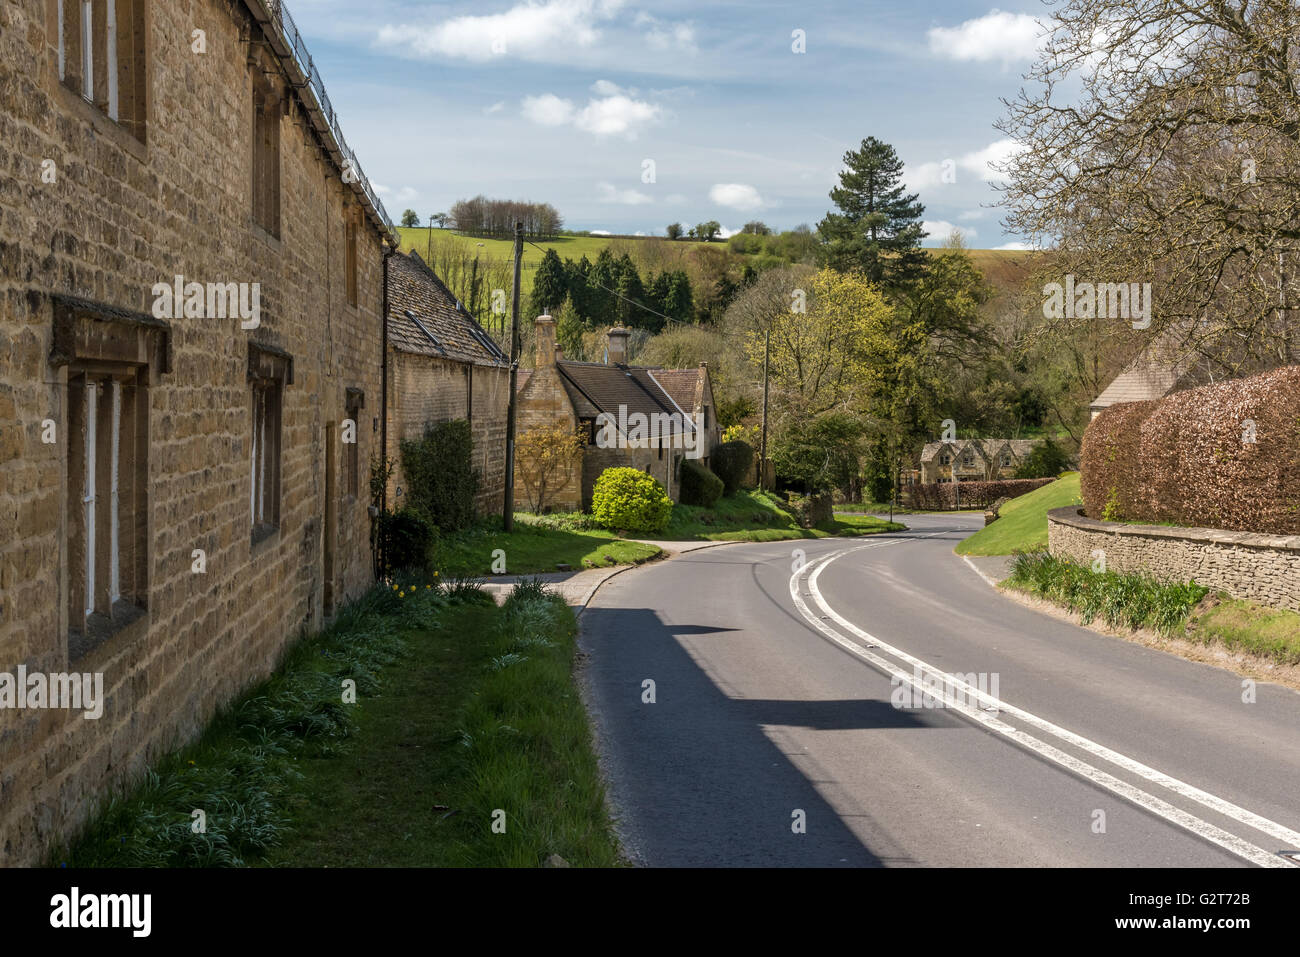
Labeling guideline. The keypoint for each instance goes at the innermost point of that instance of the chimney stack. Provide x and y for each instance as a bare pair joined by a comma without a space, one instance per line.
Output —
543,342
618,345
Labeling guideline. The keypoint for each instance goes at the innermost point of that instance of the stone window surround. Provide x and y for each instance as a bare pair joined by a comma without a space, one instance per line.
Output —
102,343
120,75
270,371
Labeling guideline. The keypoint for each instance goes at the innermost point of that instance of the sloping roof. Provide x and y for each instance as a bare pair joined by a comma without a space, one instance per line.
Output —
424,318
1155,373
986,448
683,385
595,388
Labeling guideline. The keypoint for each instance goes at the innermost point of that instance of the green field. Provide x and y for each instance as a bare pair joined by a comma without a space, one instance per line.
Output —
1001,267
1022,524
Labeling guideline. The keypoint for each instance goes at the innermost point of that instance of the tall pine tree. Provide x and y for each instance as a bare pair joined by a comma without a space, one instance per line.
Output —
877,231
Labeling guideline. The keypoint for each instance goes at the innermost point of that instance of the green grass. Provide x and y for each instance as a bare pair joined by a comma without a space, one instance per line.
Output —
752,516
462,708
1272,633
480,715
537,544
1132,601
1022,523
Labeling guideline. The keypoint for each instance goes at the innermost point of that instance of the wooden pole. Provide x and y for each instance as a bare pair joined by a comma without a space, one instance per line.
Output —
508,509
762,455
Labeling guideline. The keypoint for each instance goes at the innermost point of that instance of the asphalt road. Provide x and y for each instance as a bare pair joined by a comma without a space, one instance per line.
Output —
790,724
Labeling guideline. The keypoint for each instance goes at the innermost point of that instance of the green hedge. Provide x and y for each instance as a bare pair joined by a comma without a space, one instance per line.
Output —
733,462
440,479
630,499
699,485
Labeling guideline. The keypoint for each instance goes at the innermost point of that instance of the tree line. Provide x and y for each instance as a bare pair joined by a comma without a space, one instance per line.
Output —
496,218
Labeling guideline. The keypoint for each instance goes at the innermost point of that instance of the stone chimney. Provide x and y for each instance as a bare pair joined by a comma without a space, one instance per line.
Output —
544,342
618,346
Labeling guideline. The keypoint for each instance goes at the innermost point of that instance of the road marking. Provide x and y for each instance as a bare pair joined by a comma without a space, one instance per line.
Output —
1169,812
976,569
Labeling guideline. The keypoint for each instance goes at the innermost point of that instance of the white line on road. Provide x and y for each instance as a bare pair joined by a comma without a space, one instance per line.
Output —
1163,809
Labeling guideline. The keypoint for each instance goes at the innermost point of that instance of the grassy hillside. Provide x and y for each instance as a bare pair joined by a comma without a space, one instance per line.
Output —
1002,267
1022,524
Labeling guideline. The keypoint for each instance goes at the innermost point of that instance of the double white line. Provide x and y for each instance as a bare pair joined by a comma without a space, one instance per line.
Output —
921,669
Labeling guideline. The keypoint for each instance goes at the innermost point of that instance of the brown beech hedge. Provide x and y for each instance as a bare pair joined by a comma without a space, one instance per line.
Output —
1221,456
941,495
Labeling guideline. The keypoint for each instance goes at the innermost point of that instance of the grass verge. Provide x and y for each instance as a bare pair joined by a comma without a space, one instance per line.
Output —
537,544
1270,633
1022,522
753,516
463,708
1132,601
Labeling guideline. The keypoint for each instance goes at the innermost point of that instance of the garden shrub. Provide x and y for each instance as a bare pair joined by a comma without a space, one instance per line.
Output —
630,499
699,485
1220,456
440,477
405,537
733,462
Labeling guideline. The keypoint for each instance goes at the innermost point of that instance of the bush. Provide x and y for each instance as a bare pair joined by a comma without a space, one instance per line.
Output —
1047,460
630,499
699,485
1221,456
405,537
733,462
938,496
440,477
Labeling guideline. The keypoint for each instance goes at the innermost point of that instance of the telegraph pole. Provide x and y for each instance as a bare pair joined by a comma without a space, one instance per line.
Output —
508,515
762,455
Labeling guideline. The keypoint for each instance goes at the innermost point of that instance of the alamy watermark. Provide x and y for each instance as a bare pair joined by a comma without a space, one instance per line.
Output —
75,692
637,430
1101,300
214,300
932,689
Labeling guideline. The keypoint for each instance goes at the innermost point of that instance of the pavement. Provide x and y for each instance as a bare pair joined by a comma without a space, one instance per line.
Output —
786,721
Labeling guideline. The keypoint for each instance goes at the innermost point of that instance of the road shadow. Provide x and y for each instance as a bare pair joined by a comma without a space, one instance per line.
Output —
695,778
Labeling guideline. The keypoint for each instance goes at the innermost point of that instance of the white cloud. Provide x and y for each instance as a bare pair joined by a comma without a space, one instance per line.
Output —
603,116
496,107
981,164
600,232
1015,246
531,30
941,229
547,110
617,114
609,88
738,196
607,193
996,36
667,36
726,233
403,195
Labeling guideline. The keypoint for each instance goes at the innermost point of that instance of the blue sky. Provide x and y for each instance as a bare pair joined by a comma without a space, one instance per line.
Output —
568,101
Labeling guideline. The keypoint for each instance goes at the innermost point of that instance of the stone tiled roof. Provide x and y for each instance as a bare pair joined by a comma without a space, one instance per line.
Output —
594,388
424,318
683,385
985,448
1157,371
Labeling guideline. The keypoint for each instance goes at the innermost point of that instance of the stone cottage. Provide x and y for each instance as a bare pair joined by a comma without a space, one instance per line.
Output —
973,460
191,361
441,366
603,401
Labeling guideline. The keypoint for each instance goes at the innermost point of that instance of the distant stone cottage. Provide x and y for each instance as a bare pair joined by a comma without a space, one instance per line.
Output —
973,460
577,395
442,366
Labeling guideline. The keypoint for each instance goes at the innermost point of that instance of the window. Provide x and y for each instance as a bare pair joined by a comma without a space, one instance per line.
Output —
356,401
107,517
112,357
351,271
101,46
589,427
268,372
266,156
944,459
1006,460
